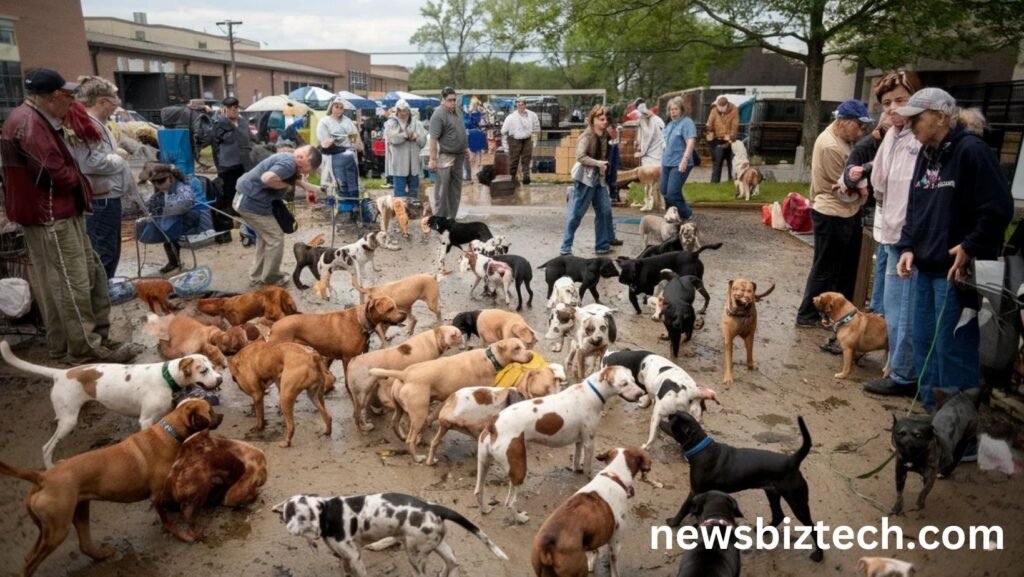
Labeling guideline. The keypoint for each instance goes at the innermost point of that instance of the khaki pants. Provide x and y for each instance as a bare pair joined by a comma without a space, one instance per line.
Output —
70,286
266,267
520,152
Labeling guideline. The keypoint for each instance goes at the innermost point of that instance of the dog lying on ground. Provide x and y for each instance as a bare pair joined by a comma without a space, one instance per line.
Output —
594,517
352,257
125,472
272,303
586,271
642,275
689,239
565,418
406,292
182,335
493,325
649,177
716,466
710,509
673,306
389,207
416,386
154,292
934,446
362,386
216,471
562,322
884,567
739,319
346,524
856,331
142,391
666,385
295,368
566,292
496,275
656,229
469,410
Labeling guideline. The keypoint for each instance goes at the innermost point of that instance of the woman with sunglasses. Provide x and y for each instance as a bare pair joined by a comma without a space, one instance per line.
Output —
589,186
171,199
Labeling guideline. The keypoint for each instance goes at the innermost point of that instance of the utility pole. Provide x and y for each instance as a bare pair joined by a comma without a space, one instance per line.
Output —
231,43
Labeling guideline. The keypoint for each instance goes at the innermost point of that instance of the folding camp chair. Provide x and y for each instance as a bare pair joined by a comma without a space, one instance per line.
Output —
158,229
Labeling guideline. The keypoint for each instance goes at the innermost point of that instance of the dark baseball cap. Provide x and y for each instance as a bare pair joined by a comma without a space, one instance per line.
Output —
854,109
45,81
230,101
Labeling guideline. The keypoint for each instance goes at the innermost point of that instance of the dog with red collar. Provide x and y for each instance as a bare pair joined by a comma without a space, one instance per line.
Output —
594,517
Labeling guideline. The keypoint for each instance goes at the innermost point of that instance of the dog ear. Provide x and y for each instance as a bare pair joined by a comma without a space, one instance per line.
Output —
708,394
185,365
279,508
198,421
607,456
736,513
608,373
698,505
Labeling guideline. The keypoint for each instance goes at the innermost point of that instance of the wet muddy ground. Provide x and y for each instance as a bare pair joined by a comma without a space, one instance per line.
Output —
850,432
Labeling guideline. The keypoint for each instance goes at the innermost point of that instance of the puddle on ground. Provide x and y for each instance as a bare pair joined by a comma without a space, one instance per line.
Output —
235,527
645,511
772,420
829,404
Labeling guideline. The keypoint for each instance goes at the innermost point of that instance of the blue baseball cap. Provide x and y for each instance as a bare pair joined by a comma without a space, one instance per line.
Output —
854,109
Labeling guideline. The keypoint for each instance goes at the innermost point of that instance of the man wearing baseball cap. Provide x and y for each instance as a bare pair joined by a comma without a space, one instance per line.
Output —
958,210
47,195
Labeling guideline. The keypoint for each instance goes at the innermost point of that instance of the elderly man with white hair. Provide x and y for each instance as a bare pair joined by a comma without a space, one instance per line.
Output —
650,146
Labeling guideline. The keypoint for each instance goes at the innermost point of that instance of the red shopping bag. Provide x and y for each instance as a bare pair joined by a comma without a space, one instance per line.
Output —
766,214
796,209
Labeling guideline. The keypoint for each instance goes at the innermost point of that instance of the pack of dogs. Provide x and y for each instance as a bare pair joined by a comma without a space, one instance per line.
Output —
187,467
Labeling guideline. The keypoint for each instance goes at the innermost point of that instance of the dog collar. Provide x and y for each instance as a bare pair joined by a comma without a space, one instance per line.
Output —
700,447
493,359
834,325
733,313
596,392
365,322
166,372
170,431
629,490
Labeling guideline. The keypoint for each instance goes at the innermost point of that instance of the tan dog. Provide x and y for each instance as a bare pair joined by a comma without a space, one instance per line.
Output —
272,303
154,292
181,335
389,206
494,325
295,368
339,335
739,319
322,287
361,385
125,472
884,567
405,292
415,387
656,229
649,177
209,466
469,410
856,331
748,181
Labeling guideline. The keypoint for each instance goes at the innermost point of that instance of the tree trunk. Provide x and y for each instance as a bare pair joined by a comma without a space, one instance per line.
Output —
812,100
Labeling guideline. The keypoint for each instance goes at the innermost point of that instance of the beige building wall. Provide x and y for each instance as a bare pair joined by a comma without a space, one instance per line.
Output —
37,26
171,35
836,83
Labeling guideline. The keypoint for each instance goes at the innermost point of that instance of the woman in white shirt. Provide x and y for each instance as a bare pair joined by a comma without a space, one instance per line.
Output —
339,142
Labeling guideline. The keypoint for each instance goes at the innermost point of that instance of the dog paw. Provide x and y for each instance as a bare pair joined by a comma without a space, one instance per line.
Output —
366,427
521,518
751,367
841,375
727,380
284,444
673,522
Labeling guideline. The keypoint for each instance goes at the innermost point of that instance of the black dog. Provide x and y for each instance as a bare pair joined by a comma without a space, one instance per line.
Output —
641,275
466,323
632,360
934,446
458,233
711,509
717,466
523,272
671,245
306,256
587,271
676,307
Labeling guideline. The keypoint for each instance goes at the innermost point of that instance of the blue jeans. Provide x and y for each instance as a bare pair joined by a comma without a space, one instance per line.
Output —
346,172
402,182
104,229
582,197
878,286
955,363
898,302
672,182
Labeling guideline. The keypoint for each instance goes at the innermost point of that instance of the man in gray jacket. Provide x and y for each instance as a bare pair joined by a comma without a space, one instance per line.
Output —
231,153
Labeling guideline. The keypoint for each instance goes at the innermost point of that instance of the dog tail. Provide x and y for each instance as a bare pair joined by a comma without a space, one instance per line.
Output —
389,373
157,326
30,475
668,274
546,264
5,350
712,246
765,293
454,516
805,448
627,176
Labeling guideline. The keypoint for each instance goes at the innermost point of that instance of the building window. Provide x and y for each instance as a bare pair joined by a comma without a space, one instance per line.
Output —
202,45
7,33
140,35
358,81
10,88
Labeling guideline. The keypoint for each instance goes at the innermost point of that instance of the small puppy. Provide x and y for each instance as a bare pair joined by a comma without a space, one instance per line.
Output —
586,271
182,335
689,240
212,470
566,293
713,508
934,446
154,292
495,274
346,524
885,567
655,229
856,331
673,306
739,319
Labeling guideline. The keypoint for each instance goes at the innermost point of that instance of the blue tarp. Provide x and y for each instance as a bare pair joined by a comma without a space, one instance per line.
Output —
176,148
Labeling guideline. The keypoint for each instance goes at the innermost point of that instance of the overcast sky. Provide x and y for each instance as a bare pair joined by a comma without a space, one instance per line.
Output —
363,25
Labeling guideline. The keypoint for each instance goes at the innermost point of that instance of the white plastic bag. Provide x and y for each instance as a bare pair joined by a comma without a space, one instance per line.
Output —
778,221
15,297
996,455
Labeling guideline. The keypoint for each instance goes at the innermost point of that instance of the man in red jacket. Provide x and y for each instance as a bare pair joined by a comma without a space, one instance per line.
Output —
47,195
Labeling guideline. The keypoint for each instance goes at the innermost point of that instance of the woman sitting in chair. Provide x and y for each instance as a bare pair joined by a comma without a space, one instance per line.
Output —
171,199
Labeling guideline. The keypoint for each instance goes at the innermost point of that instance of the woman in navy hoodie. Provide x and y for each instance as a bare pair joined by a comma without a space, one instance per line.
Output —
959,208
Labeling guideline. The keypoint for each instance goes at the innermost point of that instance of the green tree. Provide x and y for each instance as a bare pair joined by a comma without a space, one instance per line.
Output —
452,28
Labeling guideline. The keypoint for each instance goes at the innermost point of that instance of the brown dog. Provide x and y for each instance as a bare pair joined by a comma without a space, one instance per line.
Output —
415,387
295,368
856,331
339,335
494,325
272,303
154,292
216,471
125,472
182,335
361,385
405,293
649,177
739,319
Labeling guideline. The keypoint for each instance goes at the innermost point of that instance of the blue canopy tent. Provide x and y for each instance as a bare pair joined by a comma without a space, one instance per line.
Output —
359,102
414,100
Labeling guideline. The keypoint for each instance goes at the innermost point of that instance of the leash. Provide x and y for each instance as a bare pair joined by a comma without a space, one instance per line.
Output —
174,386
596,392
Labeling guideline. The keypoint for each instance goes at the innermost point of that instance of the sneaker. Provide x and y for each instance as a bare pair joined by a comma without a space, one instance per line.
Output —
170,267
526,180
387,185
565,253
887,387
121,355
603,252
832,346
276,281
807,323
616,242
